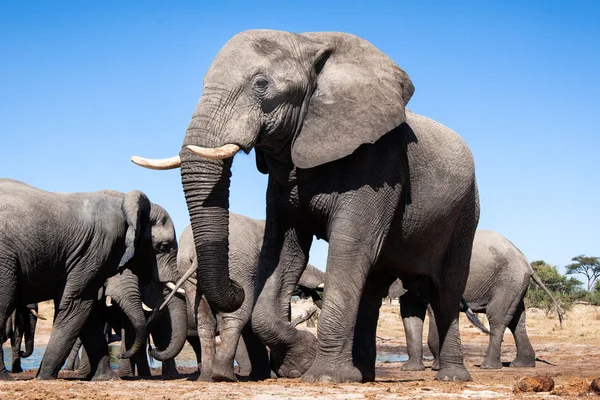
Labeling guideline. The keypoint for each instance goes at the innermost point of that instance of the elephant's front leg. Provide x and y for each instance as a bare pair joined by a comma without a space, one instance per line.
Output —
70,316
412,311
348,265
15,344
283,260
230,332
207,326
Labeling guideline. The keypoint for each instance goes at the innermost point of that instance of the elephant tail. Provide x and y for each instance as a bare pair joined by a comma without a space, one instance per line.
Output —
464,307
537,280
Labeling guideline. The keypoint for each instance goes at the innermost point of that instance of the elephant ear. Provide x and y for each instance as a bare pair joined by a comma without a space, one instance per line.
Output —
136,210
360,95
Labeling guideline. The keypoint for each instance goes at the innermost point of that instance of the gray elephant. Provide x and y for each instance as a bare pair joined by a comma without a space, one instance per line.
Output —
63,246
498,281
393,193
245,241
20,325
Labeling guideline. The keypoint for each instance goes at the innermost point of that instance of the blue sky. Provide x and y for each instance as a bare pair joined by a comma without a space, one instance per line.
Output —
86,85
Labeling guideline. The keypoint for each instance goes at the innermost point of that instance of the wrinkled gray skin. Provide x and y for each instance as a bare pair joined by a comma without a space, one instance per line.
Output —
498,281
245,241
393,193
20,324
63,246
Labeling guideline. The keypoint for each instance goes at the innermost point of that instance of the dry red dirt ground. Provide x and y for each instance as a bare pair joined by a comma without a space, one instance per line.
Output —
571,356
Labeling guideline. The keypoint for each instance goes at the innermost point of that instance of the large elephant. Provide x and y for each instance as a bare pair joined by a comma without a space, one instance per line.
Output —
393,193
498,281
245,241
20,325
63,246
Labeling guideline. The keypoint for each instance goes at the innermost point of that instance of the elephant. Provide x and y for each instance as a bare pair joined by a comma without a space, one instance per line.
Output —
392,192
498,281
20,324
64,246
245,241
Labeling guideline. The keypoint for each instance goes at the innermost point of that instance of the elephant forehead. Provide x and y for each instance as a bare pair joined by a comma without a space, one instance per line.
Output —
250,52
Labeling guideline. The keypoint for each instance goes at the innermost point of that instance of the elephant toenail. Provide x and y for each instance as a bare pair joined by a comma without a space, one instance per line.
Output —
294,374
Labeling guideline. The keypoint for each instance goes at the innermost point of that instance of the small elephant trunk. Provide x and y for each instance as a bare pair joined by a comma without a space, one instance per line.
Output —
177,313
29,337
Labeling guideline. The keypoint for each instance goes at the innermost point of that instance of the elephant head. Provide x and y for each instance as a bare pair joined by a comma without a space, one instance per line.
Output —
300,100
151,256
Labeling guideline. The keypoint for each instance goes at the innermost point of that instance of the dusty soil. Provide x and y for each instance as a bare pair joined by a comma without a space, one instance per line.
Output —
571,356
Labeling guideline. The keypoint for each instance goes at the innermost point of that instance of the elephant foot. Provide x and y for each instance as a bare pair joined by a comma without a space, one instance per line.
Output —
260,374
331,372
204,378
5,376
105,376
523,362
413,365
294,361
435,366
491,364
16,368
454,373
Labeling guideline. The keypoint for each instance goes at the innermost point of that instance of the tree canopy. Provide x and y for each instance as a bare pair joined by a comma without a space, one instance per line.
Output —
588,266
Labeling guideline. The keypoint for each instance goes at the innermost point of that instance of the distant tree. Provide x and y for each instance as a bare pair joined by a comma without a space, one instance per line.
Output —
588,266
564,289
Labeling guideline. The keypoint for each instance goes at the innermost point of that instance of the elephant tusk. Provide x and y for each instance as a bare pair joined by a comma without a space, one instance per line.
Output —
108,301
145,307
218,153
171,286
35,314
321,286
160,164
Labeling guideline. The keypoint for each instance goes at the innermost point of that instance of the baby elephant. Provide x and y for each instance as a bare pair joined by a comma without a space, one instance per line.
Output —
497,284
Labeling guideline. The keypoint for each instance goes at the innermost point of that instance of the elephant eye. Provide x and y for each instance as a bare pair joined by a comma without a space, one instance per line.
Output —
261,84
164,247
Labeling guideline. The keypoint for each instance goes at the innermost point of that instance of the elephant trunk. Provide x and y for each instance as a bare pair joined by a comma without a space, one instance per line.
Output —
130,302
29,336
179,327
206,188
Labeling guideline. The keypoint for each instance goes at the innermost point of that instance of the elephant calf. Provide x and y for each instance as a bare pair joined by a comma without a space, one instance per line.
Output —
497,284
245,242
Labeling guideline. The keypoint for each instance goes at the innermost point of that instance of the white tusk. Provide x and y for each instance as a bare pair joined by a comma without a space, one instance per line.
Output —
321,286
108,301
218,153
145,307
171,286
164,163
35,314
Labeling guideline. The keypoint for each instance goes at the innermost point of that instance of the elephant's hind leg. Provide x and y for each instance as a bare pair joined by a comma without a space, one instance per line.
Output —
492,356
412,310
94,341
525,353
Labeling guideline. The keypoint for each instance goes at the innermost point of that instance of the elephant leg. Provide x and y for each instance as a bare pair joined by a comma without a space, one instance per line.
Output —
492,355
73,359
94,341
161,338
7,300
433,340
525,353
364,351
126,366
207,326
84,364
258,356
230,332
15,344
242,358
412,311
347,257
194,341
70,317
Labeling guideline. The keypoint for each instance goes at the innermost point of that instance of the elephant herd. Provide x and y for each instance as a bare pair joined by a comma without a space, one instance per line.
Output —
393,193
